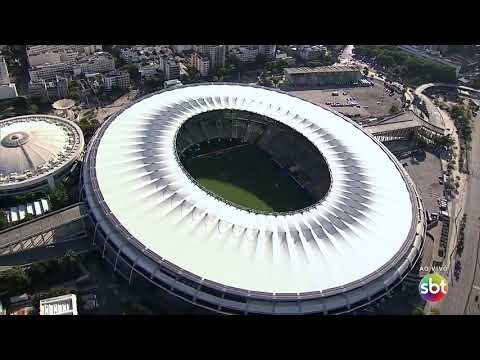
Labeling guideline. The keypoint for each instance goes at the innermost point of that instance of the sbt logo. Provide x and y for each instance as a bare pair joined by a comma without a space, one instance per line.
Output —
433,287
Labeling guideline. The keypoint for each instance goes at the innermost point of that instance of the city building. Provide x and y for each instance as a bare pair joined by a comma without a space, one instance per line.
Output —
181,48
8,91
3,311
60,305
216,54
49,71
148,70
290,60
268,51
311,52
322,75
101,62
201,63
50,89
240,261
4,76
172,83
38,89
171,69
246,53
117,78
36,152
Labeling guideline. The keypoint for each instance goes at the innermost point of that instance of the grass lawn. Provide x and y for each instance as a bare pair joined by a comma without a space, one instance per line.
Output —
249,177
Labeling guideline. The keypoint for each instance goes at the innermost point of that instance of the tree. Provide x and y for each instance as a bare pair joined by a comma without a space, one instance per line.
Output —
15,280
59,197
419,310
394,109
260,60
133,71
3,220
33,109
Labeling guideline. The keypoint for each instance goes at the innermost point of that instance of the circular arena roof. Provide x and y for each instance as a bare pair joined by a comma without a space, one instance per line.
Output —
143,199
33,147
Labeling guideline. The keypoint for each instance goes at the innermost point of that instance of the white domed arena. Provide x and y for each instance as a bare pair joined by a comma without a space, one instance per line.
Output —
36,151
355,239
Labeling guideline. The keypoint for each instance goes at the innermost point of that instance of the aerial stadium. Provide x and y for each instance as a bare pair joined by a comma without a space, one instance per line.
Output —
247,200
36,151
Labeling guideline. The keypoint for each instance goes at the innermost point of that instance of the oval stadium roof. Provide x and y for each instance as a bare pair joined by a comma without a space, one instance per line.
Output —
349,238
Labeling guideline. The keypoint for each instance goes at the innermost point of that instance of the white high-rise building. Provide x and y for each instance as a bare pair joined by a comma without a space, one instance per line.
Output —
217,56
4,77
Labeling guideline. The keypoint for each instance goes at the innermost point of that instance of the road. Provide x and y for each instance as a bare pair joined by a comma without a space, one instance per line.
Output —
435,115
461,295
104,112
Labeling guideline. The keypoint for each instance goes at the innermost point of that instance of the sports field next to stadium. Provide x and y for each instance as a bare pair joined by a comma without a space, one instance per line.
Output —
247,176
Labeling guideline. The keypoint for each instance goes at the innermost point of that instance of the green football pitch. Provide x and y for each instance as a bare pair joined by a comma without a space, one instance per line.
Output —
247,176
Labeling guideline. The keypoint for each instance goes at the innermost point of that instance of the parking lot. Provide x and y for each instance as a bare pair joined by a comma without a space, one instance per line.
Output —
373,101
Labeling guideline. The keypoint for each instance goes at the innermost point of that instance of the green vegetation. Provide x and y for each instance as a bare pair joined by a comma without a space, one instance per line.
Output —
463,121
43,274
153,83
88,125
59,197
17,107
404,67
249,177
394,109
14,281
3,220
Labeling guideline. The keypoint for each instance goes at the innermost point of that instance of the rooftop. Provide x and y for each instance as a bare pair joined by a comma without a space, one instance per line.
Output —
322,69
60,305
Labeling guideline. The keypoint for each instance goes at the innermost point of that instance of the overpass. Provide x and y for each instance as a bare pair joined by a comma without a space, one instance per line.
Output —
62,226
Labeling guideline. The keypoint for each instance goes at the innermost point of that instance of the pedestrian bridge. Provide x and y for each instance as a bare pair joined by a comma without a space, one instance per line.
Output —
55,227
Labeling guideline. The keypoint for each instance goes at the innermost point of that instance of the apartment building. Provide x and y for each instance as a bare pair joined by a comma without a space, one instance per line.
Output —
201,63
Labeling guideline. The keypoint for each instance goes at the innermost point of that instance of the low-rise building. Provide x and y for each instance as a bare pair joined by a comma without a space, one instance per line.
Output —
246,54
312,52
148,70
60,305
171,83
322,75
49,71
117,78
290,60
51,89
100,62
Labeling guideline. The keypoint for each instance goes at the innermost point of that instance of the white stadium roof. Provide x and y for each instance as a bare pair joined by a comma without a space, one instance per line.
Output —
352,236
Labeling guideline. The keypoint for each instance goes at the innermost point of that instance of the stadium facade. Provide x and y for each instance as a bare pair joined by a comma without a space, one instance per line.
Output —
36,151
151,219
